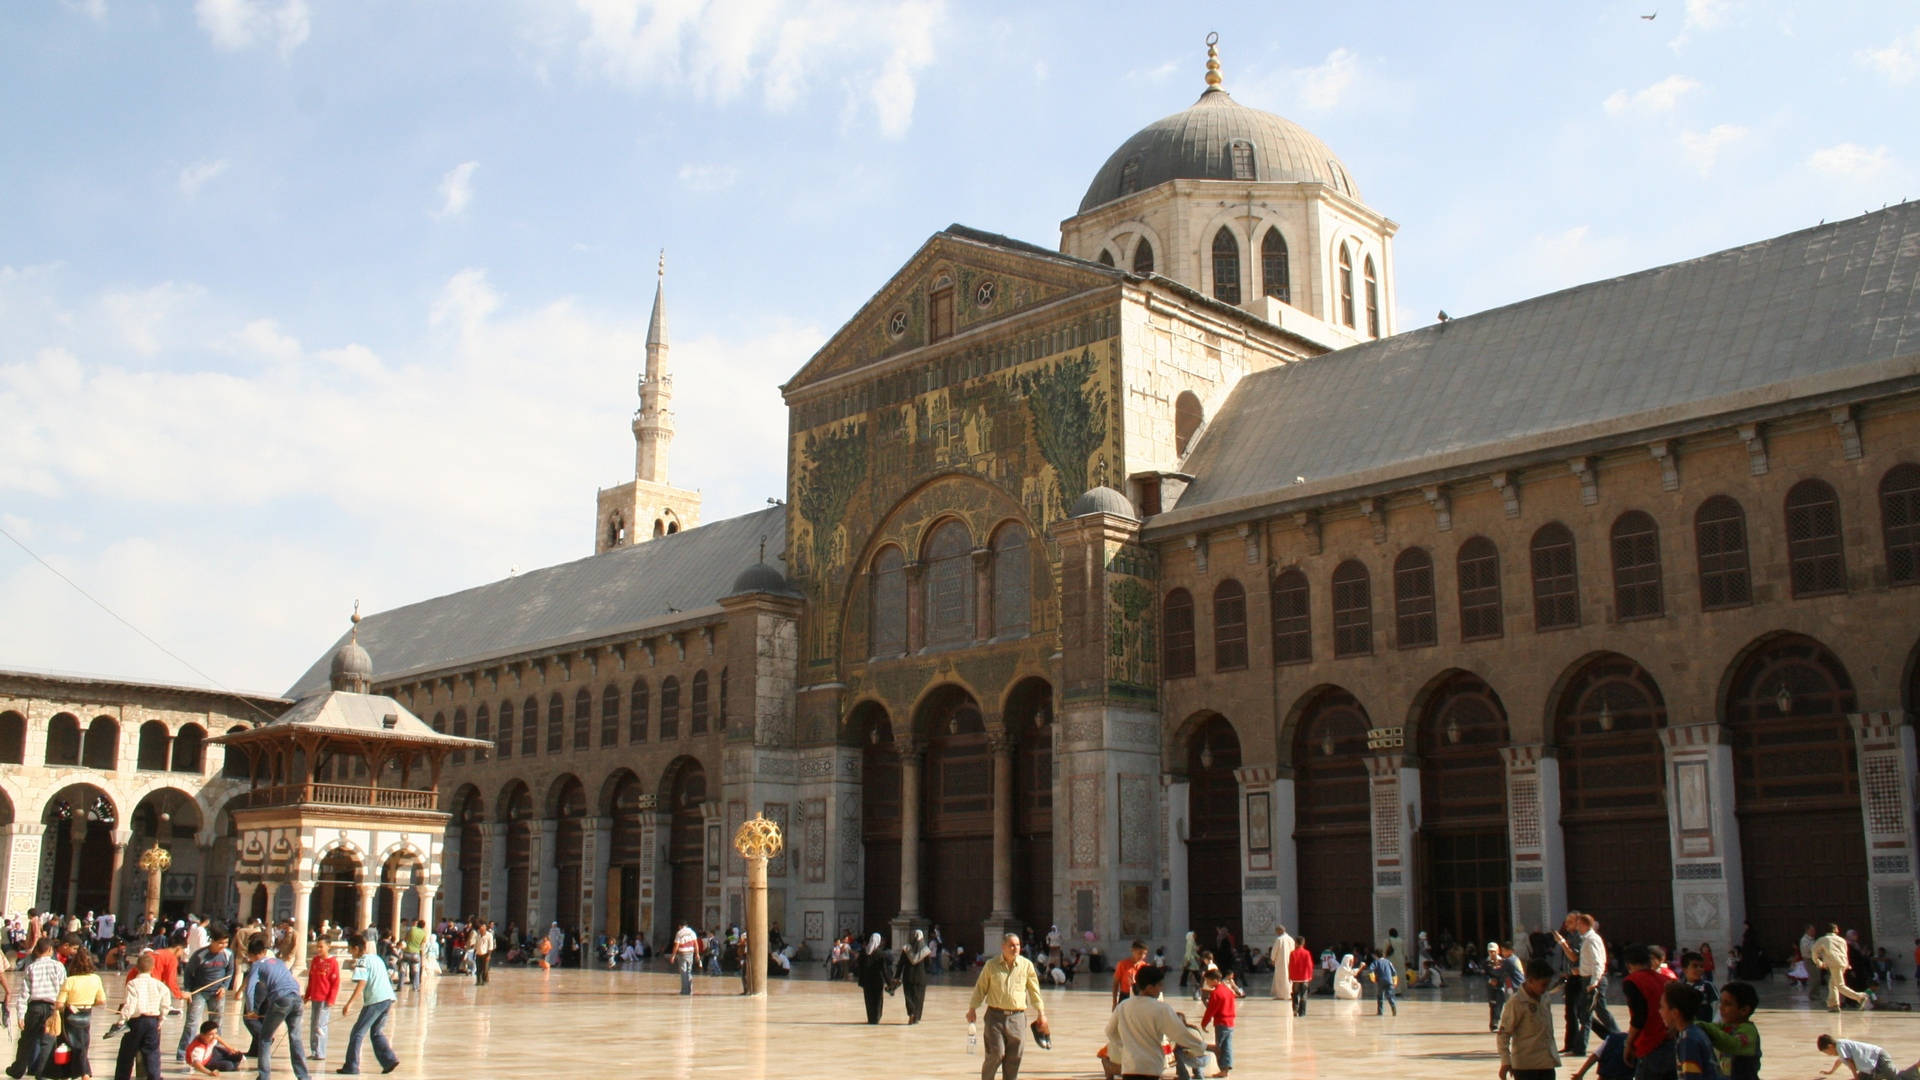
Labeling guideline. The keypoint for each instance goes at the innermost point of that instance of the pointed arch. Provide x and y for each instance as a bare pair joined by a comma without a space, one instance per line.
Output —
1346,284
1372,282
1143,256
1276,278
1226,266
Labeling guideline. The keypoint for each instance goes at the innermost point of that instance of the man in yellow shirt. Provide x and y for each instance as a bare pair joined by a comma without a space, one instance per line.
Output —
1008,984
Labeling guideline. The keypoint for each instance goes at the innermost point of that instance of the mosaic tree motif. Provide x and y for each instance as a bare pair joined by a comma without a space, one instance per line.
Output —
836,464
1069,420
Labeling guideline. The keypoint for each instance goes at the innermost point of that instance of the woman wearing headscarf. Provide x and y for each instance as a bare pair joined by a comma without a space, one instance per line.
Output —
913,974
870,971
1190,960
1346,980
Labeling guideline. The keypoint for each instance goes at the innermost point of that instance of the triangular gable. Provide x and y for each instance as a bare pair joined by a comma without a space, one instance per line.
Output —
1014,276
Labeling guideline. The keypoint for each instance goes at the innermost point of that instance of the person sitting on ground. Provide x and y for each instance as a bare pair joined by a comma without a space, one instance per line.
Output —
209,1054
1608,1061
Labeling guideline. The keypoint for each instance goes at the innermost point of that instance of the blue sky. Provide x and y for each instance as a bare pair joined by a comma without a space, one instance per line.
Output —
304,301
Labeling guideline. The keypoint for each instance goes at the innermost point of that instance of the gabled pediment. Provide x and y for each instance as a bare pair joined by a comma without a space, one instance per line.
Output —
988,277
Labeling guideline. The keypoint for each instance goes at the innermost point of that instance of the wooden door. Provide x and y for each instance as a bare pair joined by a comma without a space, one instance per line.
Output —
1336,887
1620,870
1213,831
1802,867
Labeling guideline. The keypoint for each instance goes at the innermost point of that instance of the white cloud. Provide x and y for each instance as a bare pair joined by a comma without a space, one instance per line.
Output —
195,176
872,50
456,190
1707,14
1661,97
1850,160
1899,62
142,317
708,177
1702,149
1323,86
233,25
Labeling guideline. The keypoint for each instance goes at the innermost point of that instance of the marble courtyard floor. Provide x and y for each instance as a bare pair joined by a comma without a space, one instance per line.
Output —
596,1024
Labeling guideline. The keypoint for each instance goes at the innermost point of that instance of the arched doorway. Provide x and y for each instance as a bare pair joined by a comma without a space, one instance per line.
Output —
80,821
687,842
627,842
336,892
469,817
568,808
1213,829
1460,853
398,904
172,818
1028,718
879,813
1797,791
956,832
1613,797
516,811
1333,819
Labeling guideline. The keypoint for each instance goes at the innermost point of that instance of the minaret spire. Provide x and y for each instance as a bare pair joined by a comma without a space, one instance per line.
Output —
653,424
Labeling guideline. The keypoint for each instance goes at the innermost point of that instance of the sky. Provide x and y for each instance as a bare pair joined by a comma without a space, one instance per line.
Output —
304,303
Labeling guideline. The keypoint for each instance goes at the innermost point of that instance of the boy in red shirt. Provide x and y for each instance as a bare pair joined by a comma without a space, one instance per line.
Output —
209,1054
1300,973
1124,971
323,986
1222,1005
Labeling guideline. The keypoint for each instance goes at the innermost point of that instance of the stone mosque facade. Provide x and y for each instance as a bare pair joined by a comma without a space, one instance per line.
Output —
1158,582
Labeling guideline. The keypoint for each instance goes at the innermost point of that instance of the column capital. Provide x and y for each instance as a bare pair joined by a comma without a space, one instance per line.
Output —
1255,774
1000,741
1691,736
301,887
1527,755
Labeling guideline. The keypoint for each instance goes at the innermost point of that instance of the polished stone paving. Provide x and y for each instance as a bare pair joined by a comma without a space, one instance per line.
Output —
574,1023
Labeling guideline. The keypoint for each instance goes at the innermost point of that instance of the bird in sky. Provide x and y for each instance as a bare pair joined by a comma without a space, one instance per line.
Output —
1651,17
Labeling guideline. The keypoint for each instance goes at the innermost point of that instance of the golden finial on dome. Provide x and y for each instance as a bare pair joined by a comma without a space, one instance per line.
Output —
355,632
1213,61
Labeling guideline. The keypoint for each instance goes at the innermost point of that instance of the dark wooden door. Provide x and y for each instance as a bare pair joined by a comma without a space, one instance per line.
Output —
880,835
1620,869
686,853
1033,830
1803,867
1336,890
472,869
1465,877
569,844
1213,831
519,872
956,853
963,866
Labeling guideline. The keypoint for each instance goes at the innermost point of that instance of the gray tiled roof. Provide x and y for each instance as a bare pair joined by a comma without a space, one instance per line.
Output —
339,712
1819,308
614,592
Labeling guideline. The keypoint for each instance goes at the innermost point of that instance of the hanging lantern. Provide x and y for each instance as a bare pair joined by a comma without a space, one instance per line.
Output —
1606,716
1783,699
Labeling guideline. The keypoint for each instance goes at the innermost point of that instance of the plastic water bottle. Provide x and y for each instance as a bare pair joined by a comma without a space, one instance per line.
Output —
973,1038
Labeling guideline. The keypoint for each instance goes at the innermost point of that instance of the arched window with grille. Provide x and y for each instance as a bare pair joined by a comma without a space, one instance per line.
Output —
1900,523
583,719
610,716
1240,156
1226,266
530,727
1176,634
1106,257
1346,285
1012,582
1373,299
1556,578
1636,566
949,583
1229,626
556,724
1720,541
887,608
1143,257
482,730
1414,622
504,743
1275,275
637,712
1479,571
1292,618
669,708
697,704
1816,556
1352,609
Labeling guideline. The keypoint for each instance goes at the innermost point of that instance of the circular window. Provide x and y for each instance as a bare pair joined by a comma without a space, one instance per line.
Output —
897,323
984,293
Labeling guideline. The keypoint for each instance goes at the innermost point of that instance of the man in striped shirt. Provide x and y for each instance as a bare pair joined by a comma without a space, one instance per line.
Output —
44,978
146,1003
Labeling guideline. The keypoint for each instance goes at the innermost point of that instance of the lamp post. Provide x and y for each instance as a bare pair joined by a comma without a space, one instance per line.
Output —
757,841
154,861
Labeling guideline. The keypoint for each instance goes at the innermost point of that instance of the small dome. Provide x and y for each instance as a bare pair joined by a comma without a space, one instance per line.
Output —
1197,145
352,667
1102,500
762,578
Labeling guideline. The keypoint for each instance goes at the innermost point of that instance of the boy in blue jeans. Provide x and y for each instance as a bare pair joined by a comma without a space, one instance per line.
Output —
1383,976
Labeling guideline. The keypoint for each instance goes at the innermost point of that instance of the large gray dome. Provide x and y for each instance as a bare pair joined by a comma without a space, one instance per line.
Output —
1193,145
761,577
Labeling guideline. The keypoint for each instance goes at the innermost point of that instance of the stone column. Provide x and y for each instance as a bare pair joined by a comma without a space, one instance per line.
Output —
205,896
1001,747
363,911
1390,784
20,864
595,858
273,890
302,901
425,894
982,597
243,901
1708,902
916,576
1260,905
451,874
543,878
912,758
1884,749
395,919
1536,870
116,888
1176,789
1286,853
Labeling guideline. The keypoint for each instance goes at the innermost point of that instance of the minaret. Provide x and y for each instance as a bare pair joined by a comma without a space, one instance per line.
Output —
648,506
653,424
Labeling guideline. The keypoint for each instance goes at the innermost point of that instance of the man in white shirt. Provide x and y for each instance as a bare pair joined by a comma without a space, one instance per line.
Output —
686,955
1830,955
483,945
1282,951
197,936
1142,1024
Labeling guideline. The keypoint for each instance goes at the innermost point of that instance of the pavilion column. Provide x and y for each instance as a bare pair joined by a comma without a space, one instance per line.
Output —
302,891
116,887
273,890
396,890
243,900
363,911
425,894
912,757
1000,747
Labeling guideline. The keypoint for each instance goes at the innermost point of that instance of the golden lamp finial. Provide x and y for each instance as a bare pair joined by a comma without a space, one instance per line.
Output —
1213,61
355,631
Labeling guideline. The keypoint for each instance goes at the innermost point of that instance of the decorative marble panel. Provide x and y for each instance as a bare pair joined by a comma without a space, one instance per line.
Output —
1386,820
777,813
1137,803
1083,810
1881,776
850,844
1523,794
813,839
1706,871
813,926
